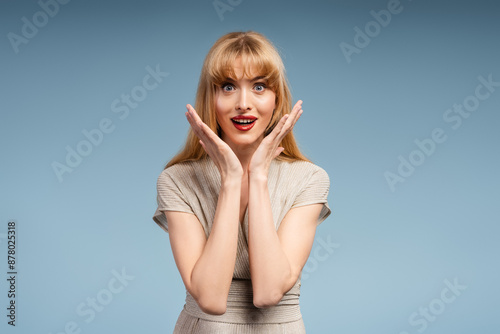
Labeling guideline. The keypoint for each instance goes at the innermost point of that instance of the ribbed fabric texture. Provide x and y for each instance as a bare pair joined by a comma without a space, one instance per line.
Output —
193,187
240,308
187,324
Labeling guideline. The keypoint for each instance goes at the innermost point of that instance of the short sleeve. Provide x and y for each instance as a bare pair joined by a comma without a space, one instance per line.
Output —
315,191
169,198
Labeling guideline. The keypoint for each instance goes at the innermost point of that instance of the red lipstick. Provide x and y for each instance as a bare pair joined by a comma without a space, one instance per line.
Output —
243,123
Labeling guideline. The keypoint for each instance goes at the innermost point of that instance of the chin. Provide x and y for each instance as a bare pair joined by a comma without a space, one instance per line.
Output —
243,139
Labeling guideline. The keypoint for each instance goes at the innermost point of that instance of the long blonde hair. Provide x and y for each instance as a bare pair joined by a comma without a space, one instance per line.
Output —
254,50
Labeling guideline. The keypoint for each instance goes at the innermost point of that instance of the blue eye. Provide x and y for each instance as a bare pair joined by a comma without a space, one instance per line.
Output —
226,84
260,85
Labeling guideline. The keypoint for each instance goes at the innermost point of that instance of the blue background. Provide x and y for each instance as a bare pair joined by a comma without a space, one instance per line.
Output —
394,248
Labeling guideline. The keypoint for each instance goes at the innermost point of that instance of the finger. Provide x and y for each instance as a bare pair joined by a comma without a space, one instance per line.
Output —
288,121
208,139
278,151
277,129
195,116
294,117
204,129
297,105
201,129
194,126
296,111
202,144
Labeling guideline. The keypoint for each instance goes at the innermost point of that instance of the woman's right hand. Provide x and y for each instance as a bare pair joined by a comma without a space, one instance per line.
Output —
223,156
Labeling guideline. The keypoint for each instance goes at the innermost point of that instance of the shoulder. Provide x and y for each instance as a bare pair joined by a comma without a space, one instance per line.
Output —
299,176
301,169
182,170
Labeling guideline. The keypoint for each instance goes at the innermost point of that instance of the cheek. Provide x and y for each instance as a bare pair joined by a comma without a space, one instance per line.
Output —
268,104
222,106
219,110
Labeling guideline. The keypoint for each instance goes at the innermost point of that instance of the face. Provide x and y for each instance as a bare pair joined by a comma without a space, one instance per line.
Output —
244,107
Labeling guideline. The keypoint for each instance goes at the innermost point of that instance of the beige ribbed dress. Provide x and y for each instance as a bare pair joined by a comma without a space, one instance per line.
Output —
193,187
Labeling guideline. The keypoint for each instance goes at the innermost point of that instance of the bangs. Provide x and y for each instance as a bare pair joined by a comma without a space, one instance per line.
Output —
256,61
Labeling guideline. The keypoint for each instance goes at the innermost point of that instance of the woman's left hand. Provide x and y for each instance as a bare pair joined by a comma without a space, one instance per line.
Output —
269,147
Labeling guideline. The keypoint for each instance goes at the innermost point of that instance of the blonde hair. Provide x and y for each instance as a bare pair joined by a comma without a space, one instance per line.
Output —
256,51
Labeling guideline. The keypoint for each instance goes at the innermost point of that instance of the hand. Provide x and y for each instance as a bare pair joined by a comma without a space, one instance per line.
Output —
269,147
223,156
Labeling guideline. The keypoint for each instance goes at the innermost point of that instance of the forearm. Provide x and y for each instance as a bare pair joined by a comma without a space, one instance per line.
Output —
269,267
212,274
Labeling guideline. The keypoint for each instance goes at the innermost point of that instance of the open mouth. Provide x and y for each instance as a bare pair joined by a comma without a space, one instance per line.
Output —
243,123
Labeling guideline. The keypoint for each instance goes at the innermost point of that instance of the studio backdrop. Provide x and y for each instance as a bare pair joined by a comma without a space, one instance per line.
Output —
401,109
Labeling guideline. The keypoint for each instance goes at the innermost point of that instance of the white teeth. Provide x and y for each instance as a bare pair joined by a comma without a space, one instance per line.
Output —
243,121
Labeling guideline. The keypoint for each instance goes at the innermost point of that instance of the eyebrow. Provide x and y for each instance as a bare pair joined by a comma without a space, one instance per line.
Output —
254,79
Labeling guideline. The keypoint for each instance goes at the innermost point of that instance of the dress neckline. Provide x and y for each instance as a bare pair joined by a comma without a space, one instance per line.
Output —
212,168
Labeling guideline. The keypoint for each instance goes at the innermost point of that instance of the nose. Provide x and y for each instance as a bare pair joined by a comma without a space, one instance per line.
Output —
244,101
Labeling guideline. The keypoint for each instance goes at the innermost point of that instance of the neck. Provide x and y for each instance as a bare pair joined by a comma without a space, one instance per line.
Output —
244,154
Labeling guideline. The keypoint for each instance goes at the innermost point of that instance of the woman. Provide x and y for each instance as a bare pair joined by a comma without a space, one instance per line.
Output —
240,202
